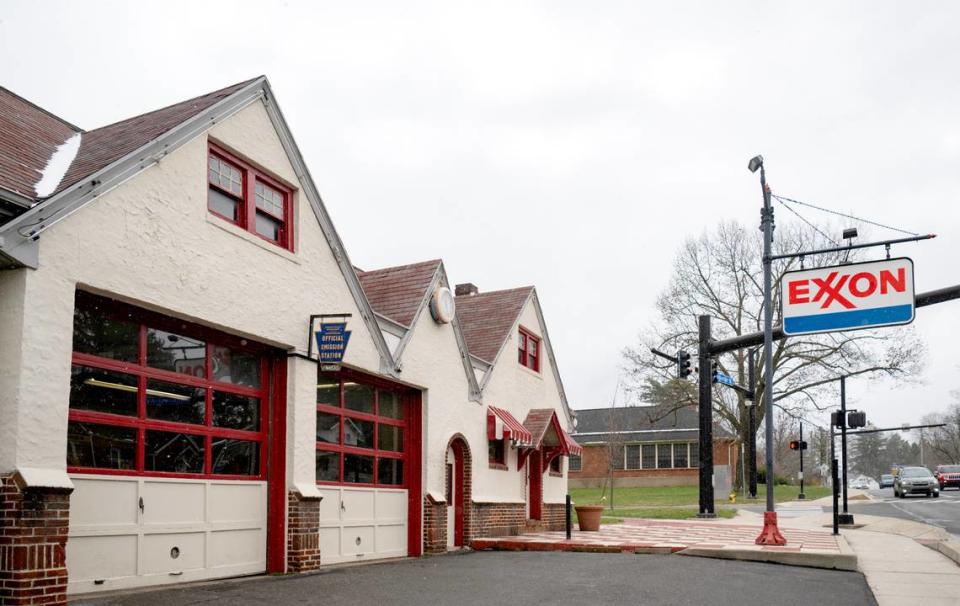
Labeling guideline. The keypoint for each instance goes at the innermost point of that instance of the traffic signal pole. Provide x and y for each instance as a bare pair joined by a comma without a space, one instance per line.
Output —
801,496
846,517
706,420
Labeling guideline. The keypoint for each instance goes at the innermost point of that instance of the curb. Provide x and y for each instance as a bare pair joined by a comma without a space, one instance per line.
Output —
845,560
635,548
948,547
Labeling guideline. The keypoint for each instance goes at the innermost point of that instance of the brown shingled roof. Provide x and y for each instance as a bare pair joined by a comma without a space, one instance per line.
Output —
486,319
105,145
396,292
28,137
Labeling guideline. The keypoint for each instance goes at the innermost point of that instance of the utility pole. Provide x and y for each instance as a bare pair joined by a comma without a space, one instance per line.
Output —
770,535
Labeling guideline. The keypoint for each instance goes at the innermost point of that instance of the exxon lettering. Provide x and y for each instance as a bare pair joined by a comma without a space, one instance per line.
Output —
845,289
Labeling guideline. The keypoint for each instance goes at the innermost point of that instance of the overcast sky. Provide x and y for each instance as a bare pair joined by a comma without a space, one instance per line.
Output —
572,146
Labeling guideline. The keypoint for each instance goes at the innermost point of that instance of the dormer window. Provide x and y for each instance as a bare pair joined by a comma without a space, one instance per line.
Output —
529,350
249,198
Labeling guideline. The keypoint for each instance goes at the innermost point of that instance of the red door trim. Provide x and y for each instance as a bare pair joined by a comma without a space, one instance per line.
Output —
276,482
459,497
535,469
414,453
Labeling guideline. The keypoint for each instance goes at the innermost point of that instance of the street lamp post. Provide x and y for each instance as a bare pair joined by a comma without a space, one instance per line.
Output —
770,535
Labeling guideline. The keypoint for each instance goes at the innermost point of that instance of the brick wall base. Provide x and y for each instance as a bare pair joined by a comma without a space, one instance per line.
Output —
555,516
303,533
33,542
498,519
434,526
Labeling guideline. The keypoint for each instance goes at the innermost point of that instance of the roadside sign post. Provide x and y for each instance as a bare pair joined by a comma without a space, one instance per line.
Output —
846,517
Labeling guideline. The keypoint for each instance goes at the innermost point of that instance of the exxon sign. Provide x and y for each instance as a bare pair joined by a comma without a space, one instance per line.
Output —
848,297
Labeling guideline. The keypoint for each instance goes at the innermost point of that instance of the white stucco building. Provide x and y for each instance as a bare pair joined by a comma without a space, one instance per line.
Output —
162,411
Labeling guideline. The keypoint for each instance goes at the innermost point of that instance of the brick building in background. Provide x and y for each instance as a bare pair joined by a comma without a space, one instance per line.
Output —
648,446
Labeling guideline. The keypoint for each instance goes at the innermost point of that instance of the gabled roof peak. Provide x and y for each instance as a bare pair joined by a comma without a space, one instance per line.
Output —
488,317
397,292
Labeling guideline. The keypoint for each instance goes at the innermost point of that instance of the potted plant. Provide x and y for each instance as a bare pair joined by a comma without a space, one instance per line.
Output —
588,516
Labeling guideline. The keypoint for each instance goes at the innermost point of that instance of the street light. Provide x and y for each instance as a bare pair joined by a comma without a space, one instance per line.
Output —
770,535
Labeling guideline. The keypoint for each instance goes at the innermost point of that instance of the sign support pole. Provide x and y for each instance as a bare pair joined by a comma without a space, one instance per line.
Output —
770,535
752,377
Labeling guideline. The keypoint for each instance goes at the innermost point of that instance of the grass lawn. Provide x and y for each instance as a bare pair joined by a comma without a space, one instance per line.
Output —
674,496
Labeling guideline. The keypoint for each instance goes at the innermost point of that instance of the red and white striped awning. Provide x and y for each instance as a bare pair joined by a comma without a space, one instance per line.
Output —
503,425
571,445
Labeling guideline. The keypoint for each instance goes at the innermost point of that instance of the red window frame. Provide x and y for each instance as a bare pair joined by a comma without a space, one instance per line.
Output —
529,350
404,397
494,448
247,212
139,369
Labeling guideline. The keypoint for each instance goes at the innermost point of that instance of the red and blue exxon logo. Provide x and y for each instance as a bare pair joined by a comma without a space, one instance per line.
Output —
848,297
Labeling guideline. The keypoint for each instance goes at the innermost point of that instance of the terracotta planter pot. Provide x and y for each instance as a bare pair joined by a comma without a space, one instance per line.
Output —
588,517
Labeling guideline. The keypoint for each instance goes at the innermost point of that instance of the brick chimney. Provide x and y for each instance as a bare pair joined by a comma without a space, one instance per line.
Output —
467,290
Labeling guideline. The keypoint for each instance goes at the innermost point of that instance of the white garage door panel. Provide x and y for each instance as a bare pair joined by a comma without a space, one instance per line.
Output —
173,503
392,540
232,547
90,558
103,502
236,502
218,527
377,517
156,556
358,505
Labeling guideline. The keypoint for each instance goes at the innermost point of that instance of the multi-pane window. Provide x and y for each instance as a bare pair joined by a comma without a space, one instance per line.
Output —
497,452
576,463
694,454
248,197
668,455
361,432
649,456
616,458
528,352
152,395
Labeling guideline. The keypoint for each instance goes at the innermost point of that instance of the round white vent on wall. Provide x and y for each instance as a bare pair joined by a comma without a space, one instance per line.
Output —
442,305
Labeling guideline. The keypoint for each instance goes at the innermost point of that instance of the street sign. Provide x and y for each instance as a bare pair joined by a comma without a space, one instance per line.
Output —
848,297
725,379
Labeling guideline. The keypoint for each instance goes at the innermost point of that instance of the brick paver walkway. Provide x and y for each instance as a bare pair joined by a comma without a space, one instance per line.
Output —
660,536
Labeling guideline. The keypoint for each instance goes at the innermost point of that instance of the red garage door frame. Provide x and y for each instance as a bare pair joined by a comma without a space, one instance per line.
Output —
412,446
271,435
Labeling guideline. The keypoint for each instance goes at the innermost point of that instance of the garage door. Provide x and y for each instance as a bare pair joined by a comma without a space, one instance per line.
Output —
362,464
129,532
362,524
167,446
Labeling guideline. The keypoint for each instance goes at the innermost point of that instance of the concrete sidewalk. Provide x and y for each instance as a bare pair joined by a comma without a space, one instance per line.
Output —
812,547
903,561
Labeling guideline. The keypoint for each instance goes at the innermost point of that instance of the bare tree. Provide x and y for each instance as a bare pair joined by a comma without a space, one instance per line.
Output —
720,274
944,442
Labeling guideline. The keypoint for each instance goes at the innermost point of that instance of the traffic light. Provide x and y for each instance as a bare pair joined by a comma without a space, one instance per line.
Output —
856,419
713,370
794,444
683,364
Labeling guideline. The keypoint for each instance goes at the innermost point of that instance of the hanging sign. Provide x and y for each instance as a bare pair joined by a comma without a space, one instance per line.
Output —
848,297
332,339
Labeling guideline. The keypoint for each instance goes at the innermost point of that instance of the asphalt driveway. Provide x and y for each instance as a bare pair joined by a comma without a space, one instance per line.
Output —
528,578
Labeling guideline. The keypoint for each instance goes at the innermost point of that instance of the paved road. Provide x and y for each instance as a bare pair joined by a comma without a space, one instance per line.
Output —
518,579
943,511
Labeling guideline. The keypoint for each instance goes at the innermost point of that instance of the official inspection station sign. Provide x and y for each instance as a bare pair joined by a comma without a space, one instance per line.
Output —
332,339
848,297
